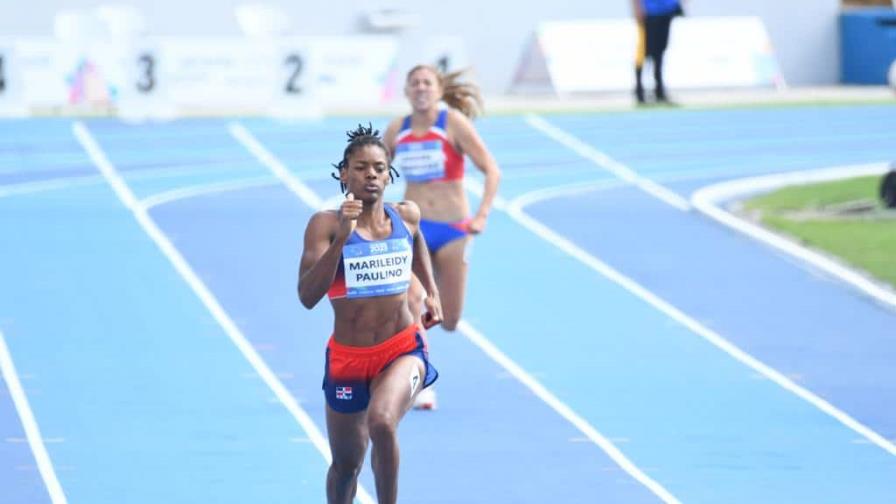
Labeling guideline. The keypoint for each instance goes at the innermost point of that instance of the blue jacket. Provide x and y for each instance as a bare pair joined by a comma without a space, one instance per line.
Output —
659,7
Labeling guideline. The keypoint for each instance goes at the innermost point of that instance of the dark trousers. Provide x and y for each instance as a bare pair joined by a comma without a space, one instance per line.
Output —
656,39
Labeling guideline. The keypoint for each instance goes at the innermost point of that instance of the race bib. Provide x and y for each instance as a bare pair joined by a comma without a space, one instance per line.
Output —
378,268
420,161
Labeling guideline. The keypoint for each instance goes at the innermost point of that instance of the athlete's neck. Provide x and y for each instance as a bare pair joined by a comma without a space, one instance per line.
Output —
424,118
373,216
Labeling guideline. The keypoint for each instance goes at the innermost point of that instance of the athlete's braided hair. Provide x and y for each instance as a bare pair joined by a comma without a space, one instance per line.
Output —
361,137
463,96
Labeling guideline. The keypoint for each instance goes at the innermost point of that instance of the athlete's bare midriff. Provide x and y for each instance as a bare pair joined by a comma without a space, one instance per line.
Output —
443,201
366,322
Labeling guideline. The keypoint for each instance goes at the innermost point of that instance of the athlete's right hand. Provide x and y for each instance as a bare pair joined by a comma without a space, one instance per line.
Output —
349,212
433,313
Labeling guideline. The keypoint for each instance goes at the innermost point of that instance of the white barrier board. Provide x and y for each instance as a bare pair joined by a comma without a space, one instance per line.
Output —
162,76
704,52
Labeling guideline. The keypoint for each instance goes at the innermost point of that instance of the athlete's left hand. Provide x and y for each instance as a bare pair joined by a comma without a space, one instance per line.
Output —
476,225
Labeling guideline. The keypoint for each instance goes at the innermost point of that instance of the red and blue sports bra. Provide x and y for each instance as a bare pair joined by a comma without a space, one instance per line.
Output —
375,267
430,157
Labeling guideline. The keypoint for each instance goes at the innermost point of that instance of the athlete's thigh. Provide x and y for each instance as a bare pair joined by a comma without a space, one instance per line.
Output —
347,433
392,392
451,268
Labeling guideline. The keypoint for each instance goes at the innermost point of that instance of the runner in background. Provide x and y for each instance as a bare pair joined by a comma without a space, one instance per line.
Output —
428,148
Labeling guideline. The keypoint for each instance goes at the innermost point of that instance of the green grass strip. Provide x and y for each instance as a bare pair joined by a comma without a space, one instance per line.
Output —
865,240
817,196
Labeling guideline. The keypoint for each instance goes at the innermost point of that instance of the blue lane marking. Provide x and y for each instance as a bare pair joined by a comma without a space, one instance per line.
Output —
786,138
206,156
696,420
630,227
830,337
821,137
35,150
531,161
21,143
149,396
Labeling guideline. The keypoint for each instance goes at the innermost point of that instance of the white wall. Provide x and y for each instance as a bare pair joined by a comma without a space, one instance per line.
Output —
804,32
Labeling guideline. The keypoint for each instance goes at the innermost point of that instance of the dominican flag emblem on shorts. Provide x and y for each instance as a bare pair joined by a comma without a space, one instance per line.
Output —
343,393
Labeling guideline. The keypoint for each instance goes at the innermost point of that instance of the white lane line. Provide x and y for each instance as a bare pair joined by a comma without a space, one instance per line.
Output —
332,202
48,185
564,411
478,339
180,264
275,165
516,212
476,187
607,163
708,201
205,189
61,183
29,423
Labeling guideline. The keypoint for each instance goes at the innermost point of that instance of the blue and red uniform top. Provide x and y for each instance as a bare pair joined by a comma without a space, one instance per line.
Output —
430,157
375,267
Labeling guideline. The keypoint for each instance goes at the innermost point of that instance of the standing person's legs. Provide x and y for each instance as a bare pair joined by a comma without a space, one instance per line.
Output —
657,39
660,91
348,435
640,54
392,393
450,267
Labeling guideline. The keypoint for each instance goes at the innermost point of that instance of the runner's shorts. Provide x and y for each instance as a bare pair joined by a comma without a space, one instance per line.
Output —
349,370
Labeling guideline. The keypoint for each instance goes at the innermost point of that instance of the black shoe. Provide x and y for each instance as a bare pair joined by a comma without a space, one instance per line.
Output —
662,99
639,96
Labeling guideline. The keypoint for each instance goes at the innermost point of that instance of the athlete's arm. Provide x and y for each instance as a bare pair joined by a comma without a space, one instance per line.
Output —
422,265
390,134
324,237
472,145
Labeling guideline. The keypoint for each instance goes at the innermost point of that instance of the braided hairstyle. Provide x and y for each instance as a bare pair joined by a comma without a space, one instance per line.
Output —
463,96
362,136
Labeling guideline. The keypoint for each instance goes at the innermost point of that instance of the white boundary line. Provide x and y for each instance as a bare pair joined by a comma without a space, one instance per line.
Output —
707,200
516,212
513,368
332,202
29,423
204,189
476,187
275,165
128,198
564,411
607,163
48,185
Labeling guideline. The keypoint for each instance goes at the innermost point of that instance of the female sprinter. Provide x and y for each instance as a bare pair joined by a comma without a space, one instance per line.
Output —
361,257
428,147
